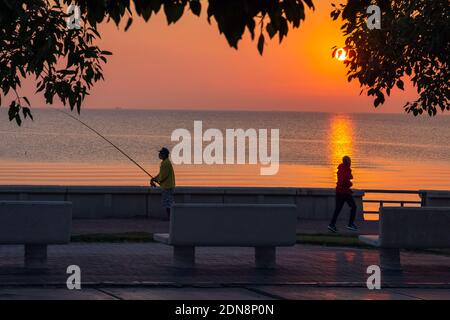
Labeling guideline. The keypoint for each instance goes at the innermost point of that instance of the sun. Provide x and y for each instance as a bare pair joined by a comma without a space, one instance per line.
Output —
340,54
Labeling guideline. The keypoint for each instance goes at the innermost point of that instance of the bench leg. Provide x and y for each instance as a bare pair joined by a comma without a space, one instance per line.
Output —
35,256
183,257
265,257
390,259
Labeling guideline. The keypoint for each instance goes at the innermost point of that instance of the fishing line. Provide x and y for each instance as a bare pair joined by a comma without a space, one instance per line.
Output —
104,138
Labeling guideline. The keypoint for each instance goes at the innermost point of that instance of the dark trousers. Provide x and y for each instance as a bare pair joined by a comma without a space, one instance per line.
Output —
342,198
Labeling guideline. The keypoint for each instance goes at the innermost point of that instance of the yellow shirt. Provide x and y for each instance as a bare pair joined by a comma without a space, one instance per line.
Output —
166,176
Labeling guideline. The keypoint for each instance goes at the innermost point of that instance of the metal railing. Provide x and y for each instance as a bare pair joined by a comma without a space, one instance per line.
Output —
382,202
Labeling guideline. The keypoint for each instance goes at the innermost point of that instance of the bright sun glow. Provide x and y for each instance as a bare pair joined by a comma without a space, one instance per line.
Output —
340,54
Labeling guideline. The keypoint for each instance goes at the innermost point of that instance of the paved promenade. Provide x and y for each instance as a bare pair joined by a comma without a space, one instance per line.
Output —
144,271
90,226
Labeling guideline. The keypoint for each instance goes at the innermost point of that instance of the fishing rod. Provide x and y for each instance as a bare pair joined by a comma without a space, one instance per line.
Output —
104,138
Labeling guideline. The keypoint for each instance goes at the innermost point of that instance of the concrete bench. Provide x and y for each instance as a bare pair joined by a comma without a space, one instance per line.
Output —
35,224
409,228
263,226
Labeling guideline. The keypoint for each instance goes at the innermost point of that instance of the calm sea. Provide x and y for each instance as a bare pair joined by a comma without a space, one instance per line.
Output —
388,151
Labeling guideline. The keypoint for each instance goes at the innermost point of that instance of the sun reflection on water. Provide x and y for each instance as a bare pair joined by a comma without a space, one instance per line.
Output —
341,138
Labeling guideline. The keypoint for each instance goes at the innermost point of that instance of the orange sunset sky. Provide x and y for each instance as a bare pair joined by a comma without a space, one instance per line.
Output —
189,65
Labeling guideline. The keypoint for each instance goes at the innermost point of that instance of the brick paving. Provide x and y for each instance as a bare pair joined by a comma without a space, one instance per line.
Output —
291,292
150,263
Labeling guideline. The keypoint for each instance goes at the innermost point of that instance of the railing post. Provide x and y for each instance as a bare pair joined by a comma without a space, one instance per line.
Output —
401,203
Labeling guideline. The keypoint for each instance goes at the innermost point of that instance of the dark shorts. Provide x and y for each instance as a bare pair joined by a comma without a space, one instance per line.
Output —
167,200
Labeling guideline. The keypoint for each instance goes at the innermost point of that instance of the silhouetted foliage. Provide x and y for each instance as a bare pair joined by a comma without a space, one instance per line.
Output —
35,41
413,43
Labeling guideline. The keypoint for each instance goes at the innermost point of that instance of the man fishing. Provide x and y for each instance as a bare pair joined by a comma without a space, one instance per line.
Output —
166,180
344,194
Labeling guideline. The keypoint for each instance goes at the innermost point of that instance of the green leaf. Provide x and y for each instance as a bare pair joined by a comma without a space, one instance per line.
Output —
271,30
377,102
79,100
173,11
27,101
408,71
261,44
129,22
309,3
12,111
196,7
94,31
18,120
283,30
27,113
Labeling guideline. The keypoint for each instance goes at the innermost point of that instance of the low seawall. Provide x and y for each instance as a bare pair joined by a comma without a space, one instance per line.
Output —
130,202
435,198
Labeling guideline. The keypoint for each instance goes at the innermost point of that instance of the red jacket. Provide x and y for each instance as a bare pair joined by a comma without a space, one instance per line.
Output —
344,175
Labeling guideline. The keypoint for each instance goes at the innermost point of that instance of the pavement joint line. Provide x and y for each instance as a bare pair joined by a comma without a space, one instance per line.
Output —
137,284
104,291
404,294
265,293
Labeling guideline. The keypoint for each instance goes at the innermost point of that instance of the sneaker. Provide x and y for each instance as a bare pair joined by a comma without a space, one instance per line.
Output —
352,227
332,228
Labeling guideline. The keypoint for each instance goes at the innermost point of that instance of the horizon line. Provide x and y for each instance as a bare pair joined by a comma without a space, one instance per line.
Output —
375,111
